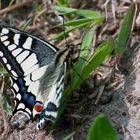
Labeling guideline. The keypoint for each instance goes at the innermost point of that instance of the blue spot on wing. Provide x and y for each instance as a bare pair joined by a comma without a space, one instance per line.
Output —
26,97
51,107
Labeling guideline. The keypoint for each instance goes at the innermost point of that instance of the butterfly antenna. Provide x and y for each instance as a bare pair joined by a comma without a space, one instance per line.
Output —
64,30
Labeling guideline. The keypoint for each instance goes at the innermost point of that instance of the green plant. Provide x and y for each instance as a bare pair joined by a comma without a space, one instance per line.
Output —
88,19
101,129
126,29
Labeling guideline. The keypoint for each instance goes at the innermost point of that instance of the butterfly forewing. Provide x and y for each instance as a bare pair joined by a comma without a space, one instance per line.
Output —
26,58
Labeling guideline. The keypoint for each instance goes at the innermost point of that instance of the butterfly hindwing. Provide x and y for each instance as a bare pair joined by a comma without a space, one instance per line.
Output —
24,100
55,88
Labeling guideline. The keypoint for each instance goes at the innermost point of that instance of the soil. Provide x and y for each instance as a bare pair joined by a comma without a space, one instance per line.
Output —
120,101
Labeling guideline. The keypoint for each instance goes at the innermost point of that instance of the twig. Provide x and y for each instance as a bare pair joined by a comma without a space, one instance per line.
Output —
32,28
14,6
105,5
123,129
100,94
11,2
39,14
0,4
113,2
20,136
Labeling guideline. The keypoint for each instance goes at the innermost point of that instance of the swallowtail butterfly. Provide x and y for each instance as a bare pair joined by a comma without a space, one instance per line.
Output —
37,70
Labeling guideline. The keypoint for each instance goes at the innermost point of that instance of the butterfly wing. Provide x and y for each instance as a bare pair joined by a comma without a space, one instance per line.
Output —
52,91
22,54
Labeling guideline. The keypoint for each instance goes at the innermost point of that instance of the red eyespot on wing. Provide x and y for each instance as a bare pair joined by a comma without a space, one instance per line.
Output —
38,107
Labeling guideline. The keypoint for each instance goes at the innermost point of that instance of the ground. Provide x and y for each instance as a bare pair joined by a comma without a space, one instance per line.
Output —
120,101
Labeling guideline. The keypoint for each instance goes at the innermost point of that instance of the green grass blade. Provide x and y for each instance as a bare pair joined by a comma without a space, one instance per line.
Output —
126,29
76,22
64,9
101,129
100,54
87,40
6,106
89,14
3,71
84,13
68,137
60,35
26,24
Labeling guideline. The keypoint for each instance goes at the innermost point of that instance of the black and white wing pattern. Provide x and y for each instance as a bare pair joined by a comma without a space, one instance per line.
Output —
37,70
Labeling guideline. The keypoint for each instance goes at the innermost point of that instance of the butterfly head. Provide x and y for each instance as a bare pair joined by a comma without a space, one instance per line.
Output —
74,52
69,52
